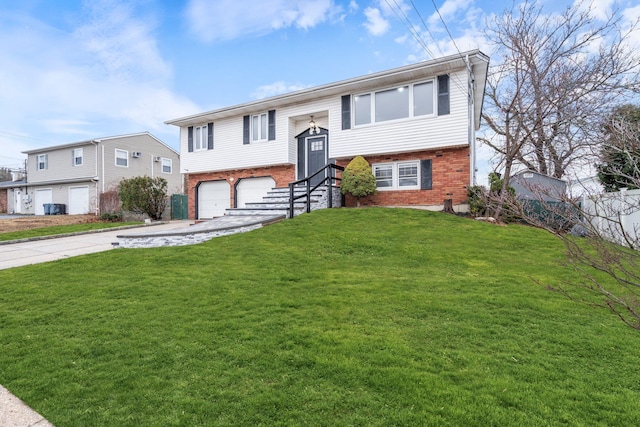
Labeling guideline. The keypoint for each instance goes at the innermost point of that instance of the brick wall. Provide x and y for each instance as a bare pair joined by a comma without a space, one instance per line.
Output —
282,174
450,175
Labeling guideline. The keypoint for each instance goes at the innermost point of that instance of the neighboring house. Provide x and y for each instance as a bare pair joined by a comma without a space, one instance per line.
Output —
11,193
415,125
74,175
532,185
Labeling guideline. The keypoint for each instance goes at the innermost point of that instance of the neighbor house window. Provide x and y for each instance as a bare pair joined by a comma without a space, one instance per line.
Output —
397,175
77,157
259,125
122,158
401,102
42,162
201,137
166,165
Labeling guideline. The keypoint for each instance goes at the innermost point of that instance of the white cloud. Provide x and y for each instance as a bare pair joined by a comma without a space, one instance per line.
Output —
213,20
105,77
448,11
277,88
599,8
376,24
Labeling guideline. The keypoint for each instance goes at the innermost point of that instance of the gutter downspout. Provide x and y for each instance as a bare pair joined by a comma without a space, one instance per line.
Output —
471,119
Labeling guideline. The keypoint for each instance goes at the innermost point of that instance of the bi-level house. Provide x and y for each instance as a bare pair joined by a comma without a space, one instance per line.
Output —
415,125
72,176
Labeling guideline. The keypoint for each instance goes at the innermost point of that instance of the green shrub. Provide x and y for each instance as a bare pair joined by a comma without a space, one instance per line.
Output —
111,217
144,195
358,180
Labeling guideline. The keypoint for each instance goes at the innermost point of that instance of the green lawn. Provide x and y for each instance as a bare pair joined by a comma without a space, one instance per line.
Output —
369,317
62,229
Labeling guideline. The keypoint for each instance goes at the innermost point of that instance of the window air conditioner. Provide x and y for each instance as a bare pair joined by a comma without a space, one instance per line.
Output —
136,154
156,159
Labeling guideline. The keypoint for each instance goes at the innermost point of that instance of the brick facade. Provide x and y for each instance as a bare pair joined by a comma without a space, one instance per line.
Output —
282,174
450,175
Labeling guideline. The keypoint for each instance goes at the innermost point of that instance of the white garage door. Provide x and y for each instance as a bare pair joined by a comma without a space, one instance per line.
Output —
41,197
213,199
250,190
78,200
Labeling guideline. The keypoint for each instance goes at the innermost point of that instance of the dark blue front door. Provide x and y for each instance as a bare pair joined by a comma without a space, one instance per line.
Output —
317,157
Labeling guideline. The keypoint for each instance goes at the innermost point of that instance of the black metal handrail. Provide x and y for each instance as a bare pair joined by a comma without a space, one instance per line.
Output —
307,181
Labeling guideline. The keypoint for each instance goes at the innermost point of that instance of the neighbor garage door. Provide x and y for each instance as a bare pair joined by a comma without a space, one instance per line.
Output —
213,199
78,200
40,198
251,190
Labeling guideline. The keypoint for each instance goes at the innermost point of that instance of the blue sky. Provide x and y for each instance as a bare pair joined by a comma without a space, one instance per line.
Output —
76,70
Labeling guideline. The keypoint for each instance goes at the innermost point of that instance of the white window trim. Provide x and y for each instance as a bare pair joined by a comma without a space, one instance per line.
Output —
126,157
261,127
44,162
411,104
395,178
170,161
78,154
201,131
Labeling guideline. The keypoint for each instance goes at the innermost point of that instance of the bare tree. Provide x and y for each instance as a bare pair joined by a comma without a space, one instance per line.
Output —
554,78
605,231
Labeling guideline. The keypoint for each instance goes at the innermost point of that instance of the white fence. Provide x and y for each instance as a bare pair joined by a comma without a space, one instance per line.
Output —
615,216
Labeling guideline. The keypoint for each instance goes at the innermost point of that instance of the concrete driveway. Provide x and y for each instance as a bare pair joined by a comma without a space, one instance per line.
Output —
36,251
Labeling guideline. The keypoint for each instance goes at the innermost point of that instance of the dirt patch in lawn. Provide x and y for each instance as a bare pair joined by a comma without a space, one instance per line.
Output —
39,221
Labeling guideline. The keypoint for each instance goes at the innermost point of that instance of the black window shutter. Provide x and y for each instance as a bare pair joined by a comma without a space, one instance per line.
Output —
210,136
190,138
426,182
346,112
272,125
246,130
443,94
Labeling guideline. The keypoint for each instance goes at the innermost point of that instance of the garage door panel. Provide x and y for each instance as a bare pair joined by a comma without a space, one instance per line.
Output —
251,190
213,199
78,200
40,198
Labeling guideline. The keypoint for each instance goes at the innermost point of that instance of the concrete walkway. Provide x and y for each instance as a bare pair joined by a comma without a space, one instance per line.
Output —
34,251
14,412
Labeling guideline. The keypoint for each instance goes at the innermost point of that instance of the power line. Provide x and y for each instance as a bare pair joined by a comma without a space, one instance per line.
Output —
426,27
445,26
412,30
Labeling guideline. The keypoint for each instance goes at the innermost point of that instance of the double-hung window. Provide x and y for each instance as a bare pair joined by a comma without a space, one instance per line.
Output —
259,126
402,175
403,102
42,162
201,134
77,156
167,165
122,158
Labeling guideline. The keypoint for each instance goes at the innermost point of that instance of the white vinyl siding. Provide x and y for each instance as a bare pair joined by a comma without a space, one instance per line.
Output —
424,132
122,158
